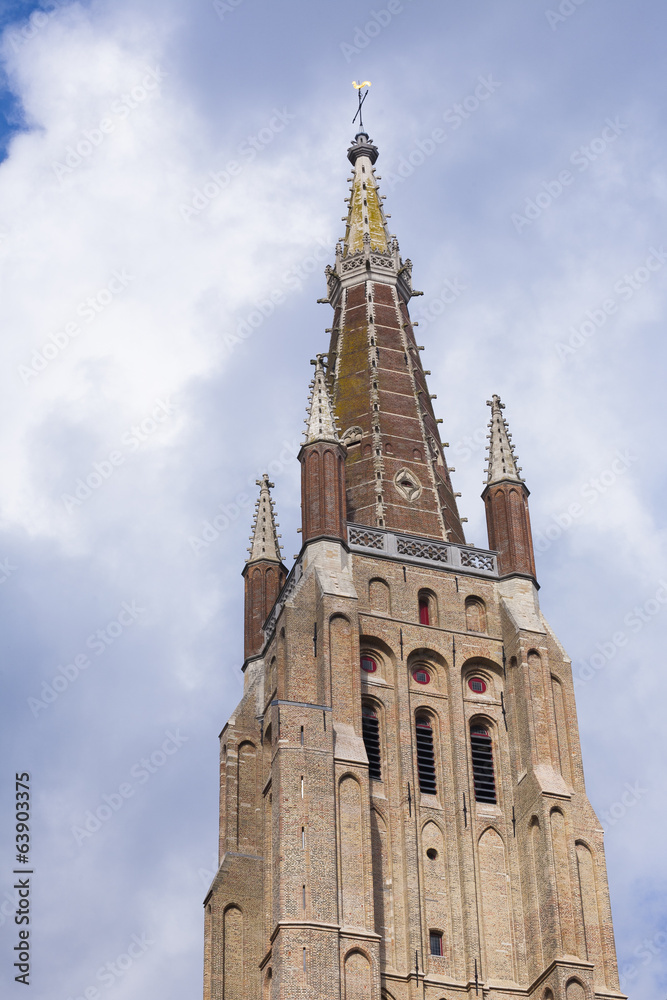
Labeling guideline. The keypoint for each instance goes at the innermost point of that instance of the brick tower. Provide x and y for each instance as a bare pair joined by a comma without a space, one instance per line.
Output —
402,805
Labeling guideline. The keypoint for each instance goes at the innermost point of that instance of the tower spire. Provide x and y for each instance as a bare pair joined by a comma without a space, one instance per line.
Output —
264,537
322,458
320,420
506,500
396,472
264,572
502,460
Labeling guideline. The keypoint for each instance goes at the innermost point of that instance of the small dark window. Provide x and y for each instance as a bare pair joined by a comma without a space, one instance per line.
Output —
368,664
424,617
436,942
482,764
477,685
421,676
432,854
370,728
425,756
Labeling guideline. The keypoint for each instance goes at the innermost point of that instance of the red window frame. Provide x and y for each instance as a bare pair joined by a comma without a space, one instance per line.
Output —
477,680
368,659
424,671
424,611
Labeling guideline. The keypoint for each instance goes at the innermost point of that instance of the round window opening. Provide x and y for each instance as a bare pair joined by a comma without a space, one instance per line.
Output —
432,853
421,676
477,685
368,664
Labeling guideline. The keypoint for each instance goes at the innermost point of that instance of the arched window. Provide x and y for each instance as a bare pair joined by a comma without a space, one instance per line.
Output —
370,727
425,755
435,938
475,614
482,764
428,611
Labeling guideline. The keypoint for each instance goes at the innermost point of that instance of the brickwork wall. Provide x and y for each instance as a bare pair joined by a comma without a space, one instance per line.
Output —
379,386
518,886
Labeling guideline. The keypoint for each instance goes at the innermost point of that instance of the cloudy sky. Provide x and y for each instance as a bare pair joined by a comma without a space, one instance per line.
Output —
171,187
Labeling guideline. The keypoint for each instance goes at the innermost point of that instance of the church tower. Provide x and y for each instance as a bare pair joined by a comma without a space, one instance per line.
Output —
403,813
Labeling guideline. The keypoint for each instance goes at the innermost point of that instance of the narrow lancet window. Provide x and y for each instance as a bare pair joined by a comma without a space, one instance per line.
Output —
425,755
370,727
482,764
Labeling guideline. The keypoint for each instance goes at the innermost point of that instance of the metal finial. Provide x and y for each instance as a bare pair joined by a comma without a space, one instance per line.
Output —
359,87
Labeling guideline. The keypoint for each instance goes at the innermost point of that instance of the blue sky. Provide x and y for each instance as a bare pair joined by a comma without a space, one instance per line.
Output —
128,276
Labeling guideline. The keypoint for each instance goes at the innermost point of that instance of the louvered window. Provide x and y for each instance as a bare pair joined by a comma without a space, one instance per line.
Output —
425,757
482,764
370,727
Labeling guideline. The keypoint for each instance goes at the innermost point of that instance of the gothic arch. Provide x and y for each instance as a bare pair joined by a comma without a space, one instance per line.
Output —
476,663
382,884
589,900
427,747
352,825
496,917
357,975
379,596
433,662
337,683
246,792
575,990
562,734
561,857
475,614
533,900
233,985
435,874
427,603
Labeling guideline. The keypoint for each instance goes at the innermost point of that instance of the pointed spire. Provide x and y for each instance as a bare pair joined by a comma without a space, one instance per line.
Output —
264,538
502,461
366,222
320,420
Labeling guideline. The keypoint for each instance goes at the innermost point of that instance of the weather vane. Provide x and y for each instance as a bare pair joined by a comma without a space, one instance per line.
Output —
359,87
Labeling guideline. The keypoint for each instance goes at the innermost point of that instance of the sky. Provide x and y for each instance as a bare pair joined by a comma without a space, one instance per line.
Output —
171,187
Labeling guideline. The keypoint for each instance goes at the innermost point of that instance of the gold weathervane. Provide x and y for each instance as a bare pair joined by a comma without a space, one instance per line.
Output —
359,87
